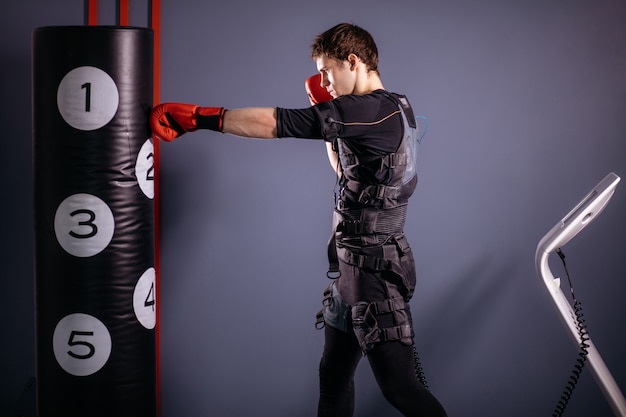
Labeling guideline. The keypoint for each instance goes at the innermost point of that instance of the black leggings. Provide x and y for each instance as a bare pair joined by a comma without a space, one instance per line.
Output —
393,365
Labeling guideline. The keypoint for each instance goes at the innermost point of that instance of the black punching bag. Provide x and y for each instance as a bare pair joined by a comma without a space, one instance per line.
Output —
95,295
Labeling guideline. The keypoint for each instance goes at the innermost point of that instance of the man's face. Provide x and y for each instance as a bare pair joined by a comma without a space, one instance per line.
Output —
337,76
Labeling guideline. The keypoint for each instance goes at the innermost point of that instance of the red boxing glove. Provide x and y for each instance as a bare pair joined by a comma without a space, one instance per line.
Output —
315,91
171,120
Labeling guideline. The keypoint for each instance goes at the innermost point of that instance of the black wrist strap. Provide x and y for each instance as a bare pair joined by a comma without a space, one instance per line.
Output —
213,121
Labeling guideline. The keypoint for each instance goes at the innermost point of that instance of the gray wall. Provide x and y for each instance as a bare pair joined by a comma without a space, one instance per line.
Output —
526,102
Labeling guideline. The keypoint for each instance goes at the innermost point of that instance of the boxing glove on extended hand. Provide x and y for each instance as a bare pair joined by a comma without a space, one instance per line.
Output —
315,91
171,120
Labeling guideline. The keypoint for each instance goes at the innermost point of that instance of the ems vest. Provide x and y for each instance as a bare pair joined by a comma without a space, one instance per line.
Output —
373,197
385,181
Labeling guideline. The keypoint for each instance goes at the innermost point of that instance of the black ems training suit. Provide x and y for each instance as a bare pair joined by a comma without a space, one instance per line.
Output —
365,309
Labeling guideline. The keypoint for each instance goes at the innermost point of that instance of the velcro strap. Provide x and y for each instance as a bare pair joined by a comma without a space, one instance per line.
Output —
366,262
211,118
377,192
371,193
387,306
395,333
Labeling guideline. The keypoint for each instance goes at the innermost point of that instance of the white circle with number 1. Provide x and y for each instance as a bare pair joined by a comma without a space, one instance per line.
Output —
82,344
87,98
84,225
144,168
144,299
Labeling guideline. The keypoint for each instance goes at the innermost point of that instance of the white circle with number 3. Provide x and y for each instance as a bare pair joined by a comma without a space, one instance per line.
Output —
144,299
144,168
81,343
87,98
84,225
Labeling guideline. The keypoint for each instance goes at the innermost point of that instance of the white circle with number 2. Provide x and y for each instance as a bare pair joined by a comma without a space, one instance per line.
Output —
81,343
144,168
144,299
84,225
87,98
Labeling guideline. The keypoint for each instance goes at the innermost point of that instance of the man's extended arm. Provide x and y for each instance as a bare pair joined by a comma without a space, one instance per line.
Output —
252,122
171,120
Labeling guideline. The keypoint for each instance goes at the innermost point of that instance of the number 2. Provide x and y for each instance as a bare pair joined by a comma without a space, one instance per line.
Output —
149,172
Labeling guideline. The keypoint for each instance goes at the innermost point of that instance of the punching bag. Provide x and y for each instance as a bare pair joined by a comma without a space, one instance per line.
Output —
95,295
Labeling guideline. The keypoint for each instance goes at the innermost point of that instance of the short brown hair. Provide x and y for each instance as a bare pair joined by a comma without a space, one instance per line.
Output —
344,39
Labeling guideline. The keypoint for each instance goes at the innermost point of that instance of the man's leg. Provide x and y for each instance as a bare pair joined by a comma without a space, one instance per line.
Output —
393,365
339,361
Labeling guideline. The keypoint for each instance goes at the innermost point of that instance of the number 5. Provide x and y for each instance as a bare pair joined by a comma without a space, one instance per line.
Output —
72,342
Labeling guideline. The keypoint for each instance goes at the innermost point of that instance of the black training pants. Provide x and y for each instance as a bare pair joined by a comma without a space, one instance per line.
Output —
393,365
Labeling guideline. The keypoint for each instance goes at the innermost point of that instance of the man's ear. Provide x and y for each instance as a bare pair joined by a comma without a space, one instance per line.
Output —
353,60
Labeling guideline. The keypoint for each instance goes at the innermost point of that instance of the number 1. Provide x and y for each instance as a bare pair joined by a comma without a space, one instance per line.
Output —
87,87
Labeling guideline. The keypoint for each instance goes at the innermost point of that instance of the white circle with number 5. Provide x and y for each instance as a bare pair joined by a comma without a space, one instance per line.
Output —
81,343
87,98
84,225
144,168
144,299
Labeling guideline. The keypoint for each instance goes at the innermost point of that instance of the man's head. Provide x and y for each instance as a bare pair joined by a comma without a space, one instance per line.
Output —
344,39
347,59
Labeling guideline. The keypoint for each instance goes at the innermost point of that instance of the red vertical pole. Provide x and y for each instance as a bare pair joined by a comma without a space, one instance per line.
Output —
92,12
155,23
122,12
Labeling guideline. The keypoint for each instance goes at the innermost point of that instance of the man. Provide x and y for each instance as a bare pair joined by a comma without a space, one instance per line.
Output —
371,137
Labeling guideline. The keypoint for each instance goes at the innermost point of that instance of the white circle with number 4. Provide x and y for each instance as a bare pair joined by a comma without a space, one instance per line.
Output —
81,343
144,299
144,168
87,98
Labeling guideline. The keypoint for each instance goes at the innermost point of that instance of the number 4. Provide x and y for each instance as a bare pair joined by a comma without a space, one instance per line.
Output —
150,301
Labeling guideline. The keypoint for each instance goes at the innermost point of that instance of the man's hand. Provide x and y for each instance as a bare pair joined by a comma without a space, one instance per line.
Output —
171,120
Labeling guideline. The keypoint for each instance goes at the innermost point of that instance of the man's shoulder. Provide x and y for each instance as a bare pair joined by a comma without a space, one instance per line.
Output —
375,96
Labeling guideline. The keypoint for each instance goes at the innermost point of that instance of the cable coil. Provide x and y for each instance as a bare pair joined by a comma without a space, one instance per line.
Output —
583,347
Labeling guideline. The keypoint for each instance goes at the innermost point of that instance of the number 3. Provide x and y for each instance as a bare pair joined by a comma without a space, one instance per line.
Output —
75,222
90,223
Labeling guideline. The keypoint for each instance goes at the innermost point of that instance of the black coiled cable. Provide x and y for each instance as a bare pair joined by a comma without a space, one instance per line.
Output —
419,371
583,351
